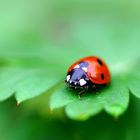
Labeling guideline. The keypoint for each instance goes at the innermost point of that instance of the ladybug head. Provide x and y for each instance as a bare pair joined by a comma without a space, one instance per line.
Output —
77,78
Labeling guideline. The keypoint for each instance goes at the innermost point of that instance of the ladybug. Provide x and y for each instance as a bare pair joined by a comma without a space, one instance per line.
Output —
88,73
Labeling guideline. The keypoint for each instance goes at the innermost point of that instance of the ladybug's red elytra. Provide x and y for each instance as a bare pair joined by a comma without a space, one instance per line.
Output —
88,72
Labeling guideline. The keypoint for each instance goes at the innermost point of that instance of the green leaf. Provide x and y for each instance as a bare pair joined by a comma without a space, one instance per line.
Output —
113,99
83,108
116,98
61,98
36,83
25,83
134,83
134,86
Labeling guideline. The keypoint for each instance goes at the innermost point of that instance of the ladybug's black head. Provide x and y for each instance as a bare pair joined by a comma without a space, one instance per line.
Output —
78,78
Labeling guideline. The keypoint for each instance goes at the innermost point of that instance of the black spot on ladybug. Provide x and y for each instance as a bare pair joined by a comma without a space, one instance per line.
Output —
100,62
102,76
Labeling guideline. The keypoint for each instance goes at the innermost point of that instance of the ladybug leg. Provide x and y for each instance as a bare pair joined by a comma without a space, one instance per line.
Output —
95,89
97,92
82,92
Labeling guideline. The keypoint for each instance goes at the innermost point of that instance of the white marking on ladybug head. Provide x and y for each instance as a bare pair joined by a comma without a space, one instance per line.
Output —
84,68
82,82
70,81
68,78
77,66
75,83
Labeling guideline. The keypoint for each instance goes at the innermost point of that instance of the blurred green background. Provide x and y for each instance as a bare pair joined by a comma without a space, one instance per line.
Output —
39,40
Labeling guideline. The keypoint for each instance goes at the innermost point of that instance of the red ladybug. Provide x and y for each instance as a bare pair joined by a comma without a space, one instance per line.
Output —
88,72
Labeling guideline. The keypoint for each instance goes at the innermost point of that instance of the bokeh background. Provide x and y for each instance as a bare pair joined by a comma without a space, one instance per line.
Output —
39,40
